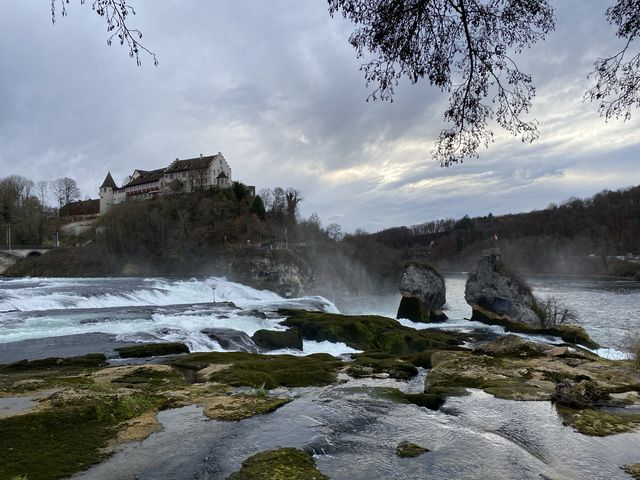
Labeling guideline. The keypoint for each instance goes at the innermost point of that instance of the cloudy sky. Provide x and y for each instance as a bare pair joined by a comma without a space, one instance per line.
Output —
275,86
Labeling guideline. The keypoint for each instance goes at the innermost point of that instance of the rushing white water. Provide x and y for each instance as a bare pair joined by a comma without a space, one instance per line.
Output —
161,309
153,309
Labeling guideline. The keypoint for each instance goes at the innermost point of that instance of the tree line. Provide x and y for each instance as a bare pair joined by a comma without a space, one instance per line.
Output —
25,211
602,226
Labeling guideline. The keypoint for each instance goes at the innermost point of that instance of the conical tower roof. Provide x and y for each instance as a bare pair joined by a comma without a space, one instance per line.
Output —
108,182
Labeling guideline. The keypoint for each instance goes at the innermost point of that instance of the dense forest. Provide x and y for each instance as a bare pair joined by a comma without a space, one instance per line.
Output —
578,236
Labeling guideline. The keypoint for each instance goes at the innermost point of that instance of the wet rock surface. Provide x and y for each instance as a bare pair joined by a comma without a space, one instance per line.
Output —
276,340
423,294
496,293
231,339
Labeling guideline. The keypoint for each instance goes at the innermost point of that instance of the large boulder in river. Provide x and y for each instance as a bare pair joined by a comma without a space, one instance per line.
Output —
423,294
276,340
499,296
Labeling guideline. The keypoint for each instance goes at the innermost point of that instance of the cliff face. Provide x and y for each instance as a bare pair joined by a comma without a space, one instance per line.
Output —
281,271
496,294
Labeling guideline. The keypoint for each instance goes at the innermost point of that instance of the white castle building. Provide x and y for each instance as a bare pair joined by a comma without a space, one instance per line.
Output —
190,175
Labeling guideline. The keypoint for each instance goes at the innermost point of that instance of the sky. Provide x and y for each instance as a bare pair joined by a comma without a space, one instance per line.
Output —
276,87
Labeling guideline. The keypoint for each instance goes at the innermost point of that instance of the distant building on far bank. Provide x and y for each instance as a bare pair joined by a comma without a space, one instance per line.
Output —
182,176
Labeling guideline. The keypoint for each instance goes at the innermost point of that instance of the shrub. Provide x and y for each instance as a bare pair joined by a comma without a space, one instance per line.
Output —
631,345
553,311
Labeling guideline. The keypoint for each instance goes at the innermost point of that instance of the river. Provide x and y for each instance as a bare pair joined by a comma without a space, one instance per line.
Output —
351,430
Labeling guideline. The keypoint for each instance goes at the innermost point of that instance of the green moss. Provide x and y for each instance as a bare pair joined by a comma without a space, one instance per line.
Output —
282,464
57,363
375,362
410,450
152,379
596,422
368,332
245,406
152,350
569,333
68,438
25,376
269,371
501,377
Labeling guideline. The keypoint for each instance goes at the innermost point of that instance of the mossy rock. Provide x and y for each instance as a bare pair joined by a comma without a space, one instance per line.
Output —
239,407
432,401
511,346
282,464
71,437
152,379
92,360
267,371
453,372
368,332
569,333
597,422
368,363
275,340
25,376
410,450
152,350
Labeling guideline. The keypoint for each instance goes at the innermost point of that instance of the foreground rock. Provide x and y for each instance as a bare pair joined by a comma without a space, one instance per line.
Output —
423,294
86,408
410,450
512,368
285,463
497,295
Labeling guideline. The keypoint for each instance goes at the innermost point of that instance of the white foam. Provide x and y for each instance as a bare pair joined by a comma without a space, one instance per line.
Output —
52,294
142,310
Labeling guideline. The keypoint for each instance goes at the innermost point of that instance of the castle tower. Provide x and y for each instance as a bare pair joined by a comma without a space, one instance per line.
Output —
106,193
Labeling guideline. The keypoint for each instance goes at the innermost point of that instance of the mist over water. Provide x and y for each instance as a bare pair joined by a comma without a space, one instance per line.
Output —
143,310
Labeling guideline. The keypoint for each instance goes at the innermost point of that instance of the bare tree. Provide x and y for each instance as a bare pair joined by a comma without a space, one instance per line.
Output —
553,311
463,47
293,198
617,88
115,13
65,190
467,49
42,188
334,232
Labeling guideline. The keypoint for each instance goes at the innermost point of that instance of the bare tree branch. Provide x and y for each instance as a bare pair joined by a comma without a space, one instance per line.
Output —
461,47
617,88
115,12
